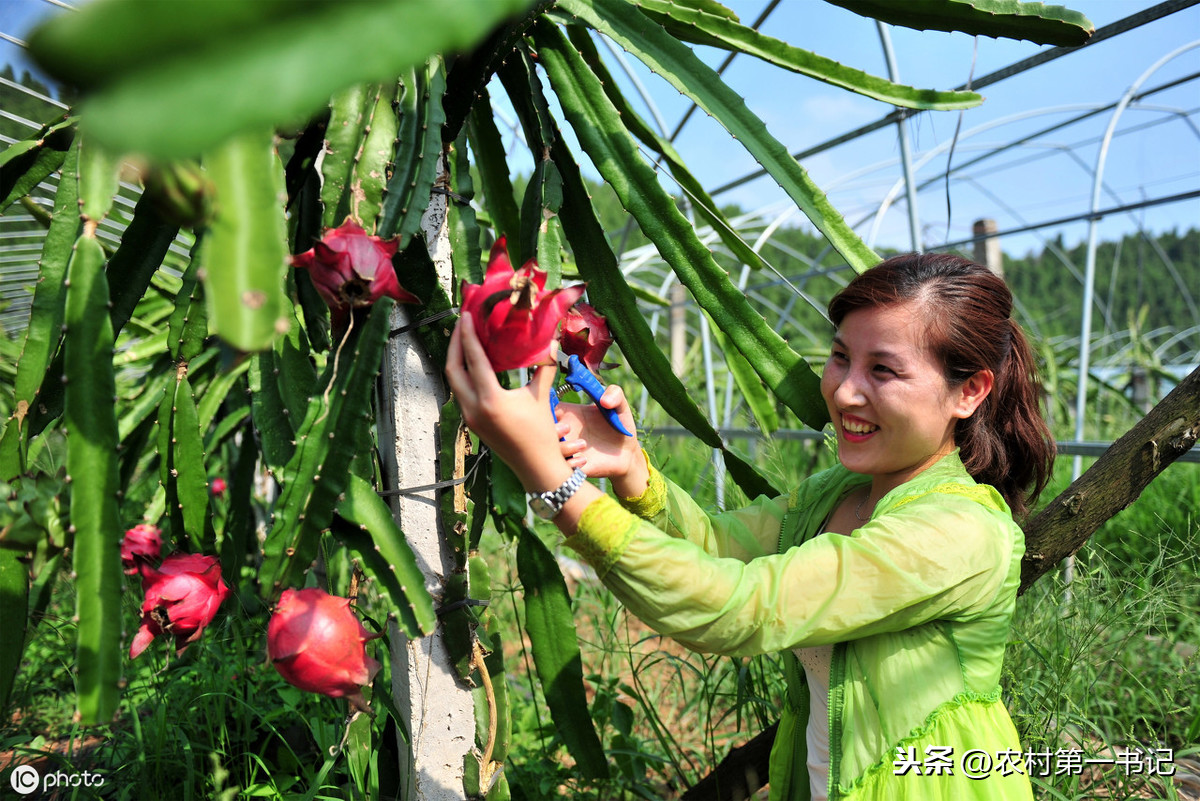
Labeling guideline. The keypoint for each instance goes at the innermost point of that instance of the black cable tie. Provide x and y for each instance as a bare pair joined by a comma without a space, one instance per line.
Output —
459,199
453,605
433,318
425,488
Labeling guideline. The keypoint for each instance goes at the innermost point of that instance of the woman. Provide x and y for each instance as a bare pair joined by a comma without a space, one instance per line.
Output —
889,580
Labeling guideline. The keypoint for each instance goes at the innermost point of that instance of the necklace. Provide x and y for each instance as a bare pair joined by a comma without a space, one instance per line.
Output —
859,507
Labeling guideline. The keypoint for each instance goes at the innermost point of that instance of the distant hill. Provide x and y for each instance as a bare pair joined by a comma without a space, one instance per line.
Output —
24,105
1158,276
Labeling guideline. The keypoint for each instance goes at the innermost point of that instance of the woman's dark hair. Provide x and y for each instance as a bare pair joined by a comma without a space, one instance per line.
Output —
968,310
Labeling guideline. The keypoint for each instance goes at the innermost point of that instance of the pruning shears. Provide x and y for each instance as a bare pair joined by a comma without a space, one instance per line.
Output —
581,379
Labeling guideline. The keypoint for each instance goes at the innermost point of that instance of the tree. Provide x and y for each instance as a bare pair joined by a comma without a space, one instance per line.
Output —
260,128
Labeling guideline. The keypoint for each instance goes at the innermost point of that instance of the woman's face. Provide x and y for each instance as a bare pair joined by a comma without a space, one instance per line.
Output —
891,407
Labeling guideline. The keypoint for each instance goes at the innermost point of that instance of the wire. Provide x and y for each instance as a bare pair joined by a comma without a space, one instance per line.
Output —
957,131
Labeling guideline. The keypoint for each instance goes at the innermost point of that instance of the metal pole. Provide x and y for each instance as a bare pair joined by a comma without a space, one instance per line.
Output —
910,184
678,328
1089,274
1107,32
710,392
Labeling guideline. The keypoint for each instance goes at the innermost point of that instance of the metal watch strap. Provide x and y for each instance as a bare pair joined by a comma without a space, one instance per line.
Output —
548,504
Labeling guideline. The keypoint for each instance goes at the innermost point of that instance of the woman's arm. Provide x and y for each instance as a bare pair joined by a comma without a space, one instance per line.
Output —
745,533
940,557
934,558
517,425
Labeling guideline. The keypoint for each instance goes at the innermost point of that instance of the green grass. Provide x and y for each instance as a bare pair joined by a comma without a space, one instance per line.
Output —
1110,666
665,714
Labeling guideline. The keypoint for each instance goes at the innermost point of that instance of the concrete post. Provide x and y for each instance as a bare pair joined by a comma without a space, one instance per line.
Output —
987,246
426,688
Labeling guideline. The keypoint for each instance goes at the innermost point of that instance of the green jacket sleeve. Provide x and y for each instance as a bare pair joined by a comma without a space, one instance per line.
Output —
940,556
744,534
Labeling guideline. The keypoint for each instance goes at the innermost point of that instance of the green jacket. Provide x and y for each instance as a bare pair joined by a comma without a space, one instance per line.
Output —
917,602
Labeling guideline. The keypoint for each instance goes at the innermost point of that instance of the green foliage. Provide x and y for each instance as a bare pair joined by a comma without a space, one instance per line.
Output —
700,83
334,428
91,427
385,556
701,26
551,630
156,72
132,268
1036,22
347,108
495,179
609,291
45,325
604,136
22,104
377,151
216,723
419,140
244,253
14,605
27,163
184,476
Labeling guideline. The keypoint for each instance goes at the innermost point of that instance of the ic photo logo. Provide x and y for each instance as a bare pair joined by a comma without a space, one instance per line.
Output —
25,779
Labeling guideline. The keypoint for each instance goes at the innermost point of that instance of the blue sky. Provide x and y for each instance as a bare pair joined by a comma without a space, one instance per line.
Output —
1048,178
1160,161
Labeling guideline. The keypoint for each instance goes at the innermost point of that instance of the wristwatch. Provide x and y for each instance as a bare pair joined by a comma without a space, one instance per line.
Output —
548,504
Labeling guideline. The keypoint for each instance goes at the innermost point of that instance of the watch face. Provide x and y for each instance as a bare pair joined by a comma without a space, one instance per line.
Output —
541,508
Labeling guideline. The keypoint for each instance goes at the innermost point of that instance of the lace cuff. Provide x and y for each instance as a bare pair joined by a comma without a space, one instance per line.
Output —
604,531
654,499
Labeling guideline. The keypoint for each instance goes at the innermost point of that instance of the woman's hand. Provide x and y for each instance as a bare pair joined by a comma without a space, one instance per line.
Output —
601,450
515,423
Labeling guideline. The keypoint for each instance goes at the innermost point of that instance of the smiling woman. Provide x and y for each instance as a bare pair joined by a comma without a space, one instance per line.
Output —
894,412
947,324
888,581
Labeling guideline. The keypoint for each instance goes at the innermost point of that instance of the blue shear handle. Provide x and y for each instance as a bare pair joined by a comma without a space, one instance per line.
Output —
582,379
